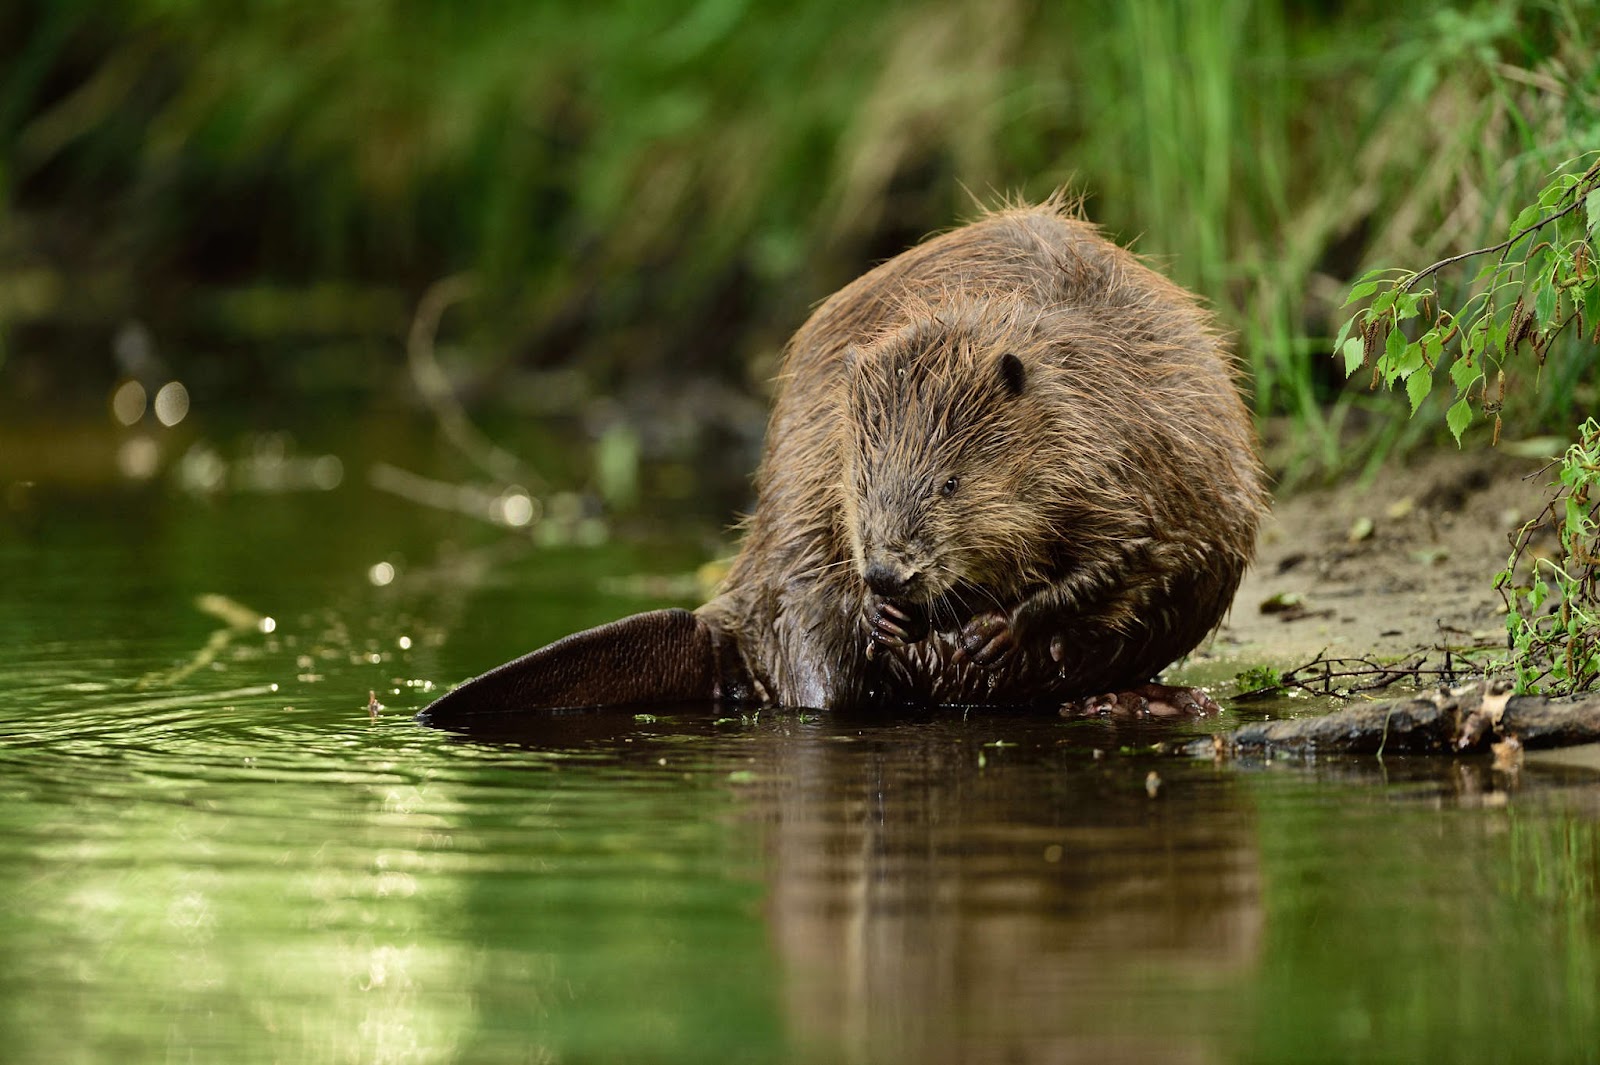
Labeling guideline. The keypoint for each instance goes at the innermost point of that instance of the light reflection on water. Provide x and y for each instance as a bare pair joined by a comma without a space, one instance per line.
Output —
236,862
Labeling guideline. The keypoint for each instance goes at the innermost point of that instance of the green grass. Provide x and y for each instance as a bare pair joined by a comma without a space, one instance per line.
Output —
665,188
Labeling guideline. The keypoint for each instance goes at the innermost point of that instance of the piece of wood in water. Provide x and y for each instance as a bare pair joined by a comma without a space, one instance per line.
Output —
1451,721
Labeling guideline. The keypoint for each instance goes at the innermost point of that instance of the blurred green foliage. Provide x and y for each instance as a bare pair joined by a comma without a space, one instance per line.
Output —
663,188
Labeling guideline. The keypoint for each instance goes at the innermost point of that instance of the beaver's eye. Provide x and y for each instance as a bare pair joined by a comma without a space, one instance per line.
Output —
949,487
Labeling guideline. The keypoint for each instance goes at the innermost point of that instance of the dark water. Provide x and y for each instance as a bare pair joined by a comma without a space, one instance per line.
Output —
211,851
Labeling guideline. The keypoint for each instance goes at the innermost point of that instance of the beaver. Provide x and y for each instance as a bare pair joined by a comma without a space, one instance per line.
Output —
1009,466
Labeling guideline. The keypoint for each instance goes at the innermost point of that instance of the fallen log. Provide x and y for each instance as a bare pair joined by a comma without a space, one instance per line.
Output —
1455,721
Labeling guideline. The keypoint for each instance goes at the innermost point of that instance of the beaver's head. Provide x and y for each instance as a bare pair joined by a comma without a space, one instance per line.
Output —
942,435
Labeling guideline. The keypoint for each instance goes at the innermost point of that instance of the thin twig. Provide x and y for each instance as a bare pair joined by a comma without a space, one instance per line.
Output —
1507,244
1319,676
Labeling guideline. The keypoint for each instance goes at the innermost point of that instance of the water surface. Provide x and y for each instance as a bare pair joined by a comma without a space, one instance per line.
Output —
211,849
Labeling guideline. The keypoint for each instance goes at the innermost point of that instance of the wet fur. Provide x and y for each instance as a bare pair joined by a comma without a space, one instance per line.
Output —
1107,489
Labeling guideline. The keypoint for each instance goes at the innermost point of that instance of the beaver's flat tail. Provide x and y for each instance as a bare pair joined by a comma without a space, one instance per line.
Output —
664,656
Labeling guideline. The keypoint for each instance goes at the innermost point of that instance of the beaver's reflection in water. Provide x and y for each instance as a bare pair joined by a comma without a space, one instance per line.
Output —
936,899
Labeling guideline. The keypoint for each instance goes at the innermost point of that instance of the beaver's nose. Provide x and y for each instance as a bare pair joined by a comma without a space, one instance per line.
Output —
888,577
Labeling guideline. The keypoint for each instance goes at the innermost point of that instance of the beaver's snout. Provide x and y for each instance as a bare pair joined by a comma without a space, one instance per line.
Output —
889,577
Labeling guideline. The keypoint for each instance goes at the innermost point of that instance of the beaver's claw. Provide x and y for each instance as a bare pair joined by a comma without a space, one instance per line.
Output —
987,639
892,624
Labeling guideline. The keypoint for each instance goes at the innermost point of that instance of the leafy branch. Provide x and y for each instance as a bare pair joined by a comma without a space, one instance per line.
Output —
1510,242
1553,620
1520,304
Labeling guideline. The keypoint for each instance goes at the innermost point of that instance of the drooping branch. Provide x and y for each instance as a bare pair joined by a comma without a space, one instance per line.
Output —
1510,242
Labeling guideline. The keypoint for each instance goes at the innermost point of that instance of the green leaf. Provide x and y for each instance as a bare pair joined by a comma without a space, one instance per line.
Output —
1384,301
1432,347
1497,335
1525,219
1570,230
1476,336
1352,355
1516,626
1410,360
1591,208
1591,302
1458,417
1393,348
1464,374
1418,385
1360,292
1544,306
1577,517
1344,331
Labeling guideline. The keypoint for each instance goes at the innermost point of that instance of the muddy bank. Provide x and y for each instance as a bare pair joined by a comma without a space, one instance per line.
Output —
1382,568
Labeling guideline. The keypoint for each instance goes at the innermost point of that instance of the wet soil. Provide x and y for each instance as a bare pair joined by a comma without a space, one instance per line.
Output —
1402,562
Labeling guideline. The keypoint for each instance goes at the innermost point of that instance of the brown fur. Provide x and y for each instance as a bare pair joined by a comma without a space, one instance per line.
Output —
1105,490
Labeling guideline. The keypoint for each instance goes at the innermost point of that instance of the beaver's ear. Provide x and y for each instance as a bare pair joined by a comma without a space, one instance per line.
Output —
1013,375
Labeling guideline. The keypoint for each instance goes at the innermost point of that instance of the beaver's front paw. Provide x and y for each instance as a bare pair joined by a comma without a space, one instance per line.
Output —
988,638
893,624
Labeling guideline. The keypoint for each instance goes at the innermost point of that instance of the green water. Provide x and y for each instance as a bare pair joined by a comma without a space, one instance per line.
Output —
210,850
